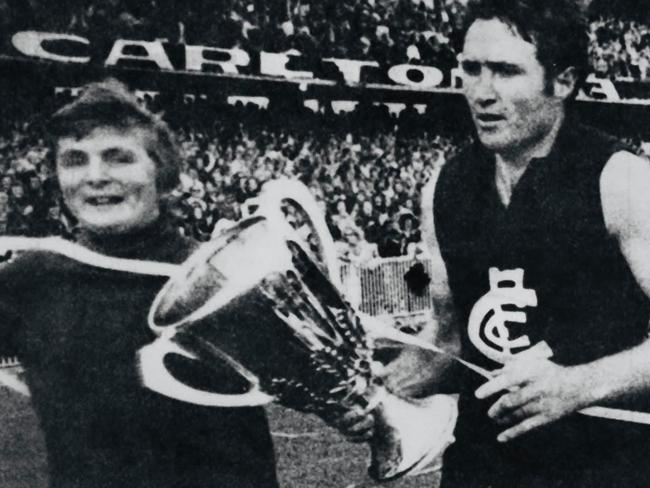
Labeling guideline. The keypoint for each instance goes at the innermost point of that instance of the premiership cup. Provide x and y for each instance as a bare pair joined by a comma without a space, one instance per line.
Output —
258,298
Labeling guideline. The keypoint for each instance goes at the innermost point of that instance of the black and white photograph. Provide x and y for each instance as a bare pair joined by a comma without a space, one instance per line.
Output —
325,244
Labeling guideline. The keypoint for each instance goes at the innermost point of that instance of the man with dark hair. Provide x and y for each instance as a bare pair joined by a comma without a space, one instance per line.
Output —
543,229
110,104
77,328
541,233
556,27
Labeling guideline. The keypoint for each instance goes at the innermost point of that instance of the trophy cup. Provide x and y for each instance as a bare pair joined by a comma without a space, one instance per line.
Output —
258,298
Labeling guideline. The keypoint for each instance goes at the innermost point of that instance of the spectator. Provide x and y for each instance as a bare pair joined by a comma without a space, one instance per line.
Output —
354,248
410,233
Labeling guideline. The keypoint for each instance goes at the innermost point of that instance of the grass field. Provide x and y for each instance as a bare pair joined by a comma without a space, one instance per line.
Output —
309,454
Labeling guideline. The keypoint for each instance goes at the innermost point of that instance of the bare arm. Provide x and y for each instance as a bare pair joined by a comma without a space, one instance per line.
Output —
447,332
541,391
625,192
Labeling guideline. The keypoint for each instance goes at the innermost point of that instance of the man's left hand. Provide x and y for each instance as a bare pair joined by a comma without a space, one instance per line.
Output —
537,392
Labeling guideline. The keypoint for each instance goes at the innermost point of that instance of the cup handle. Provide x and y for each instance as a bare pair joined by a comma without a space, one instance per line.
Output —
156,376
269,202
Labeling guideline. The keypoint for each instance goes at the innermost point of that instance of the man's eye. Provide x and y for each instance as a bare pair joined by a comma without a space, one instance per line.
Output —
118,156
73,159
471,68
508,70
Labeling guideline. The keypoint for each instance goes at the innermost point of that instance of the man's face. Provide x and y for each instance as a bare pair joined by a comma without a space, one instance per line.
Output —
6,183
17,190
108,180
504,85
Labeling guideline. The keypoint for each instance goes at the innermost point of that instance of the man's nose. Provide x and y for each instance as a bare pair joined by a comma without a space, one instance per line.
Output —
482,90
97,172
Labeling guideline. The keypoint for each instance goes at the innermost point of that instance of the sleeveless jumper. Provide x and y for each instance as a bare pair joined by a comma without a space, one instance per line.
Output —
544,268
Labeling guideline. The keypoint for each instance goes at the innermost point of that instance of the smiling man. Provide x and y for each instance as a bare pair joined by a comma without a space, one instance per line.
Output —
109,205
77,328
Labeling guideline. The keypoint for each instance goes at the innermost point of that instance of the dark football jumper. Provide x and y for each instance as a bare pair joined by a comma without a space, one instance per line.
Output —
76,329
548,254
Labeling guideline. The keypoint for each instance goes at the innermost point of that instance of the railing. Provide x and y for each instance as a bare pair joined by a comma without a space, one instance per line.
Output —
379,288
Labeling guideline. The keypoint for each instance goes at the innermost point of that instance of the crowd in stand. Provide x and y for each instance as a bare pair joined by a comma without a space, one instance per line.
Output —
29,199
367,181
620,49
387,31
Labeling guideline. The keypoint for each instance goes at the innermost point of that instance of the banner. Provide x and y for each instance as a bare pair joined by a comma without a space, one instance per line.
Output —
288,66
159,55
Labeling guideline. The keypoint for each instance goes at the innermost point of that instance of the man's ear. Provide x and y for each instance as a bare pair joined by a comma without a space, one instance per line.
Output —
565,82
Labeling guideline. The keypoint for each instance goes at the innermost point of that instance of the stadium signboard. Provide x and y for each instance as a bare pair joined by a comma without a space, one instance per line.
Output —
291,65
70,48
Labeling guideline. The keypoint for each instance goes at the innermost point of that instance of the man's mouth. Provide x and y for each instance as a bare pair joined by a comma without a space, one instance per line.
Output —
104,200
487,117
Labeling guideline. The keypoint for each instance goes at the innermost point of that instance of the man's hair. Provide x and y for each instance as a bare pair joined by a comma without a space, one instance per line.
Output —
557,28
110,104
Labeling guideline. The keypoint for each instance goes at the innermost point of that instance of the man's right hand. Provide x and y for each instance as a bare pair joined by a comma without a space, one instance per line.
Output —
414,373
357,425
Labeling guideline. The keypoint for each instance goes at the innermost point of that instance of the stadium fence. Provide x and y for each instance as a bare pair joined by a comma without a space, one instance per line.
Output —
378,288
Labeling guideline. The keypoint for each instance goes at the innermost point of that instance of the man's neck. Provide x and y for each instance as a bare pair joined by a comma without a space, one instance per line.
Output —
120,244
510,166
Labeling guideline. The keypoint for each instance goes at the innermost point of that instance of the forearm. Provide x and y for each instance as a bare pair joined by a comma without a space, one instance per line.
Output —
418,372
617,377
447,338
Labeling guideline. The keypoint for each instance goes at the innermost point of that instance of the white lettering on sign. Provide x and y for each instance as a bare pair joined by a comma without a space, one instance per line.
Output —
599,89
456,78
198,59
430,77
195,58
30,43
155,52
275,64
351,68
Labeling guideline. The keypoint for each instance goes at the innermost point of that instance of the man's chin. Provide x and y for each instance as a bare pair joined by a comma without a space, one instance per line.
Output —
105,228
116,223
493,142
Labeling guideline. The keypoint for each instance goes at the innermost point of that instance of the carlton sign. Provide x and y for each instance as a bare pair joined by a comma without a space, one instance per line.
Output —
69,48
289,65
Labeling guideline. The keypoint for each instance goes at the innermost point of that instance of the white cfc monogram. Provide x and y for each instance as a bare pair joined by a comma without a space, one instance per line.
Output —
489,323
